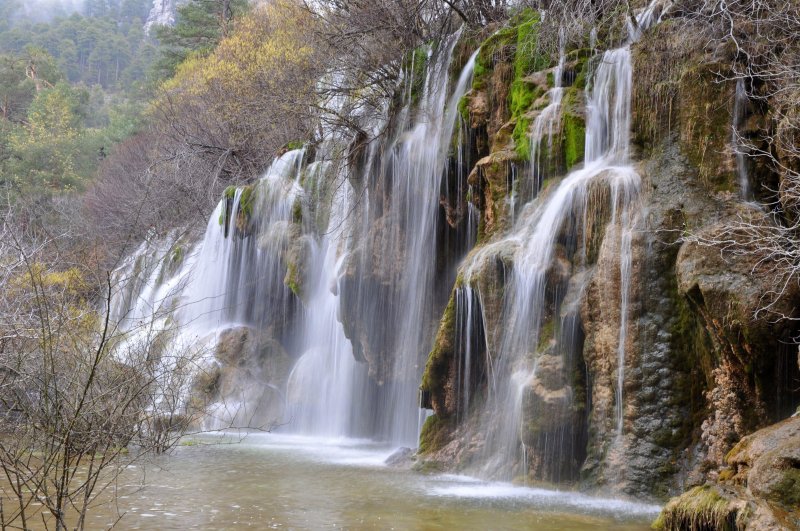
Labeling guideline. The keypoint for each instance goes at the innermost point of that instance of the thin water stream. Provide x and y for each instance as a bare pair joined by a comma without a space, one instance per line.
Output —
269,481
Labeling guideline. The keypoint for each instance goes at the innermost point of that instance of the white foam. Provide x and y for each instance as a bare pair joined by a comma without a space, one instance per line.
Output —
470,488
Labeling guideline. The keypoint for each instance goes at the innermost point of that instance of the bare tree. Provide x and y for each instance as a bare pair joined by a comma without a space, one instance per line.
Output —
762,41
75,405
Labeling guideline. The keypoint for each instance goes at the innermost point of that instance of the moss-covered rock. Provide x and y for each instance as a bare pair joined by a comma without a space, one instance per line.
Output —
573,127
759,490
249,367
768,463
434,384
434,434
680,90
703,508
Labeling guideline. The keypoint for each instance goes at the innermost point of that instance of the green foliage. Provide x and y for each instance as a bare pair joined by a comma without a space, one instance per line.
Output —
16,90
62,109
105,47
57,112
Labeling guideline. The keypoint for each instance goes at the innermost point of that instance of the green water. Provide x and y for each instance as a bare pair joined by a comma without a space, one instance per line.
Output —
281,482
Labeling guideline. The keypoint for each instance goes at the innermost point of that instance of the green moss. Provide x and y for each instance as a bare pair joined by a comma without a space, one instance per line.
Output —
463,108
496,48
438,359
522,142
787,490
292,280
415,65
427,466
295,144
247,200
230,192
574,138
697,509
573,129
547,333
522,93
527,58
297,211
433,435
581,73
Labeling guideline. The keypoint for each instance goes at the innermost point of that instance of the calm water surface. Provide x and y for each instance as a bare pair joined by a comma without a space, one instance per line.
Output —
269,481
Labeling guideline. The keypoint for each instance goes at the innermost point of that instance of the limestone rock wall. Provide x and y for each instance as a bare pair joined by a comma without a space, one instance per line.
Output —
703,369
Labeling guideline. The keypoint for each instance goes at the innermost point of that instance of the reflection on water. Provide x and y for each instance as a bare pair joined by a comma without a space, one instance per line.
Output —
287,482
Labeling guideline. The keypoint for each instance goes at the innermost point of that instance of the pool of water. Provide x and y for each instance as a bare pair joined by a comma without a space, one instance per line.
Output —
269,481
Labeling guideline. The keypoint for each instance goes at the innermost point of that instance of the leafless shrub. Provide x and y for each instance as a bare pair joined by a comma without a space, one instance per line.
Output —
75,408
761,39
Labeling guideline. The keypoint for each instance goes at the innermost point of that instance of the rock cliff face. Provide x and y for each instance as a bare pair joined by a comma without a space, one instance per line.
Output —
162,14
758,489
701,367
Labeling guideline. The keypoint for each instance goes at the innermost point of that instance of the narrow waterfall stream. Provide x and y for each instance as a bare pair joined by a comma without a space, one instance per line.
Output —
416,163
739,147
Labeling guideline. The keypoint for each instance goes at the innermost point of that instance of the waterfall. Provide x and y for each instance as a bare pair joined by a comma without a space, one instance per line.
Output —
328,389
232,278
529,351
470,343
393,247
547,123
239,273
739,148
245,276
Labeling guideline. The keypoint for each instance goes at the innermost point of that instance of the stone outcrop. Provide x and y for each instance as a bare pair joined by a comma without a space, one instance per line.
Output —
758,488
162,14
246,378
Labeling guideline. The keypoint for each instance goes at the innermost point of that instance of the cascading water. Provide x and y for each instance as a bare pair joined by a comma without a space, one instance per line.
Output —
327,388
393,245
530,356
546,125
240,258
233,278
739,148
470,344
417,166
